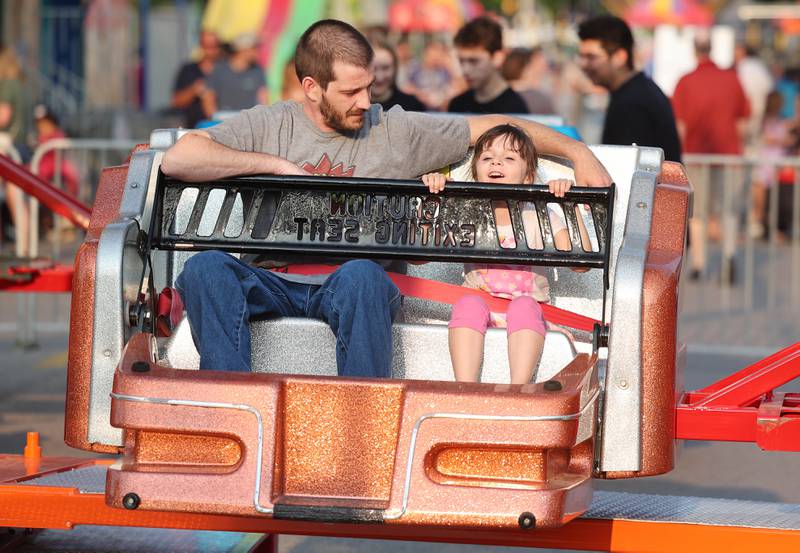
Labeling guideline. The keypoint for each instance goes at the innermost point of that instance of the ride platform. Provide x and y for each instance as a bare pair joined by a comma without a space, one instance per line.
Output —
43,498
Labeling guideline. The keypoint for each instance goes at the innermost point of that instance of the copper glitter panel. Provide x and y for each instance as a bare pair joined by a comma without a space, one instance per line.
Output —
479,466
201,484
333,443
481,502
340,440
187,449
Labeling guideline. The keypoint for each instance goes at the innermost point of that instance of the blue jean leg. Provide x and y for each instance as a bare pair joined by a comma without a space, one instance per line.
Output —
359,301
222,295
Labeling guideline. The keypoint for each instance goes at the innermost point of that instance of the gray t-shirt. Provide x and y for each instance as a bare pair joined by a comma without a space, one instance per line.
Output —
236,90
392,144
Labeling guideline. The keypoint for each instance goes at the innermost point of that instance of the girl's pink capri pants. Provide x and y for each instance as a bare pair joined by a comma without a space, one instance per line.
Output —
523,312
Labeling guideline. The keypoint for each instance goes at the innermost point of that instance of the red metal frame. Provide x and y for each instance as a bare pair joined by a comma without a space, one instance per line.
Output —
744,407
55,278
54,199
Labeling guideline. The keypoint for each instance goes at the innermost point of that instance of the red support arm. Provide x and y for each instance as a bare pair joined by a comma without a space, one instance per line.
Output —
752,383
744,407
56,200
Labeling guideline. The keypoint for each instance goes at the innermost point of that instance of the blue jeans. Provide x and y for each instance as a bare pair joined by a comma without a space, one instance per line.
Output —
222,295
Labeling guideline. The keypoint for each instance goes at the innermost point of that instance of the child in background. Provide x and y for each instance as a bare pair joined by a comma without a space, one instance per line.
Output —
774,143
504,154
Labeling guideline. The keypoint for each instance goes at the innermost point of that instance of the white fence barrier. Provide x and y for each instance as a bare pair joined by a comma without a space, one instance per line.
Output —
729,192
73,165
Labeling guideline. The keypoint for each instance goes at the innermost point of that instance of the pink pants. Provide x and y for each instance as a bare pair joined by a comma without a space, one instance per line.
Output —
523,312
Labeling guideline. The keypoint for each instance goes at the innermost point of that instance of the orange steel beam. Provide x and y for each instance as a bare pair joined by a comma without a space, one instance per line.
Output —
63,508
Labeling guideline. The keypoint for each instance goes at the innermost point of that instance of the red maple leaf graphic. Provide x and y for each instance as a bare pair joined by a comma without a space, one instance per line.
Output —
325,167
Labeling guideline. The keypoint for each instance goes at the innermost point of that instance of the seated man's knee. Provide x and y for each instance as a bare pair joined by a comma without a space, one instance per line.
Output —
203,268
366,276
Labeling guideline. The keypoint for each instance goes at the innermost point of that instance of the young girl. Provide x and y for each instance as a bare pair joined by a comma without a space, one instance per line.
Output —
775,140
504,154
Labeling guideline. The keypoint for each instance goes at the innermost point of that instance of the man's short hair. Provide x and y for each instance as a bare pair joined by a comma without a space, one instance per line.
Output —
612,32
481,32
517,60
702,43
326,42
515,63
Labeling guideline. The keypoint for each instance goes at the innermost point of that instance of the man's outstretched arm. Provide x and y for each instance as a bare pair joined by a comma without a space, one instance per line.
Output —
588,169
196,158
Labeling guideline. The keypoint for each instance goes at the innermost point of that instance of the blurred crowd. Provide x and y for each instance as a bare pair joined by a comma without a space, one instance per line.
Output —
474,71
751,108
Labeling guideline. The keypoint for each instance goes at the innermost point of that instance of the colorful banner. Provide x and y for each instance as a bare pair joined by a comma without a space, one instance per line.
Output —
233,18
303,14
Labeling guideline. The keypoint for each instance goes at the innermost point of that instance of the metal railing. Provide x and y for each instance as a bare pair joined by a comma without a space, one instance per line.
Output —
16,198
87,157
762,256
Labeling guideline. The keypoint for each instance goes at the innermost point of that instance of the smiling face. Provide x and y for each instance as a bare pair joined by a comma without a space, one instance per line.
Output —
343,103
383,67
501,162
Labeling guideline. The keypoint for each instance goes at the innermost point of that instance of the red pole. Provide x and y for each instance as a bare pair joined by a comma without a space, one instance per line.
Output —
56,200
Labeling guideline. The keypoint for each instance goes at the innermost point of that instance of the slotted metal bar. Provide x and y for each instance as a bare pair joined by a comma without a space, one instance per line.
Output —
572,225
197,212
338,217
548,239
225,211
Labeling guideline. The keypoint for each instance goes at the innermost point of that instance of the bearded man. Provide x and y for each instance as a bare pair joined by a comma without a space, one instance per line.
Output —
334,130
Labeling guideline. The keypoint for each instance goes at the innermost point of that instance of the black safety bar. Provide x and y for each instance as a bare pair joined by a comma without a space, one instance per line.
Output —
379,218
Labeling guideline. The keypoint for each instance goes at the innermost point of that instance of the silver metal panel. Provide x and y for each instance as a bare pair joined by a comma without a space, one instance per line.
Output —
452,273
140,188
620,449
583,292
694,510
86,479
162,139
118,275
420,351
178,351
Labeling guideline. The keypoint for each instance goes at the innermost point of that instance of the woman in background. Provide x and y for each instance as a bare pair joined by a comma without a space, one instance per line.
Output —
12,133
384,90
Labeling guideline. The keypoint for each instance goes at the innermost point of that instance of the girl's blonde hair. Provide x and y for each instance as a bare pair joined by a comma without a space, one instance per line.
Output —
520,142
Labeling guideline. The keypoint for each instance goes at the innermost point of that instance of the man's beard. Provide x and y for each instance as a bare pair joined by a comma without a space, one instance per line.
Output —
337,120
